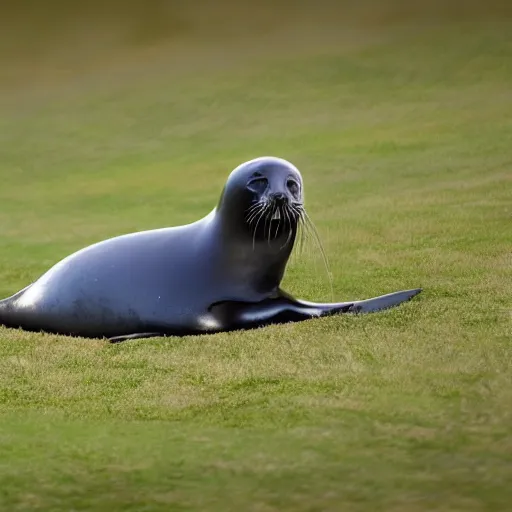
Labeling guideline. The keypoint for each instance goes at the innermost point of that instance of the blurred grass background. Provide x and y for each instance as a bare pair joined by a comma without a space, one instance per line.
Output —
55,39
122,116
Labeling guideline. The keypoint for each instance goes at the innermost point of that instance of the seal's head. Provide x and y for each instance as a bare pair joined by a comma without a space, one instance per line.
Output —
263,198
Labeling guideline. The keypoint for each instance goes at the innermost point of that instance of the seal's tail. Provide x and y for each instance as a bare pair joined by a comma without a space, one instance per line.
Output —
3,314
8,317
384,301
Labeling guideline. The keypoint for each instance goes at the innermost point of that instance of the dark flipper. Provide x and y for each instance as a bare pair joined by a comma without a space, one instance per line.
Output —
357,306
242,315
384,301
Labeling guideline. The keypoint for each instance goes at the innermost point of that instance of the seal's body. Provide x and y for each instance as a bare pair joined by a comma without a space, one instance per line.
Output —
217,274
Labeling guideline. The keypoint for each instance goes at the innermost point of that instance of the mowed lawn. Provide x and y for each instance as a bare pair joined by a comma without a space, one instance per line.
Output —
404,139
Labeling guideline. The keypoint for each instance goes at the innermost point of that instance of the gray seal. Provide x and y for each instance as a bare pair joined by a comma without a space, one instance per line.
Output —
220,273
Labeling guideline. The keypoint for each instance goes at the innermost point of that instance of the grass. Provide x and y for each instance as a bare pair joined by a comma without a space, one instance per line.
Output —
403,137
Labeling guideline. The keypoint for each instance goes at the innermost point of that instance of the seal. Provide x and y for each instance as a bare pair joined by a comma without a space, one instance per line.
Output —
220,273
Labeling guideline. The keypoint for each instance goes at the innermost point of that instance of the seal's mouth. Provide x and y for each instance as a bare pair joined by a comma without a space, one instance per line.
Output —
271,220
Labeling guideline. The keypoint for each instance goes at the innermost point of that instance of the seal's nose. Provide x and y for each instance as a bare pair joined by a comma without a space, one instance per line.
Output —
279,198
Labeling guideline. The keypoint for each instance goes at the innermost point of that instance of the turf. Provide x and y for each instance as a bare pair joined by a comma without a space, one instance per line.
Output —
403,134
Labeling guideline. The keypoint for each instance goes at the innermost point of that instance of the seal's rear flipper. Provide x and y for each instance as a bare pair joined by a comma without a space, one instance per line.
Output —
384,301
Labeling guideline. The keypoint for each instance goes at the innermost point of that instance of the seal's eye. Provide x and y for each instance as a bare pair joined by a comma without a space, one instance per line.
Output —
293,187
258,185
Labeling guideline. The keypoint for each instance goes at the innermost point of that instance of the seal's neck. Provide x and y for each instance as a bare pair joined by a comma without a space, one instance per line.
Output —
260,263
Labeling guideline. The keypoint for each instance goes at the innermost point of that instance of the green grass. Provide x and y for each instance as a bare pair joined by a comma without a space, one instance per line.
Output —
404,137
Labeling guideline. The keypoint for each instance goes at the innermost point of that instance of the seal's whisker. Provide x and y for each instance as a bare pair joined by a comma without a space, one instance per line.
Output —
278,223
254,210
255,206
316,237
303,235
288,219
251,217
262,214
290,228
268,219
260,202
254,214
306,230
275,210
297,210
255,229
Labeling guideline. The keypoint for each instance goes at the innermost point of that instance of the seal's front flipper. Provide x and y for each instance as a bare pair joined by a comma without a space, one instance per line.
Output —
245,315
384,301
283,309
357,306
